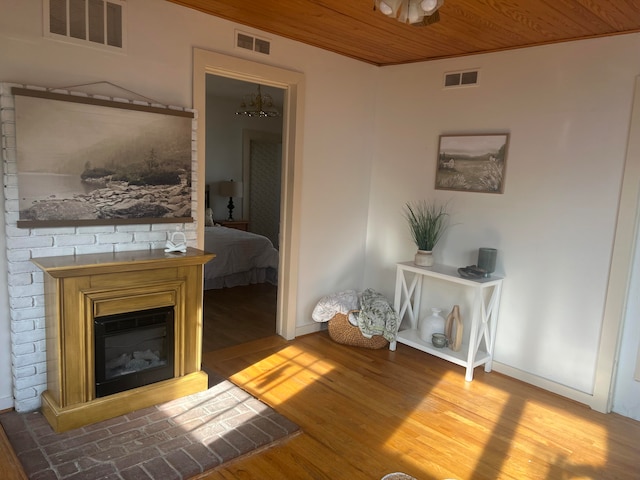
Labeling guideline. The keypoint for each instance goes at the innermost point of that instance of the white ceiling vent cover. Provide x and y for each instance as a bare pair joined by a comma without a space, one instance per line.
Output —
250,42
464,78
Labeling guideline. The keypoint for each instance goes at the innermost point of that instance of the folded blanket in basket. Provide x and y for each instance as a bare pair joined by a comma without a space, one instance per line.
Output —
341,302
377,316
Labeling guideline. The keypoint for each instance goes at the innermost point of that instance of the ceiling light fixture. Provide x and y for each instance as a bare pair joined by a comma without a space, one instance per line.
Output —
412,12
258,105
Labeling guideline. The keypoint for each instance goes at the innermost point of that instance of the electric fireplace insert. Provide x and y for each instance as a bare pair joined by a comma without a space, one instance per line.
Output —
133,349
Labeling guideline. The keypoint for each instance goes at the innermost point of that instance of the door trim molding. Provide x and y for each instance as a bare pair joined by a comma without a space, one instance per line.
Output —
208,62
621,265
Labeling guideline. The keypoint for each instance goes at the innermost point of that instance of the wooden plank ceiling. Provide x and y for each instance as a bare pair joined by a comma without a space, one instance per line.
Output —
466,27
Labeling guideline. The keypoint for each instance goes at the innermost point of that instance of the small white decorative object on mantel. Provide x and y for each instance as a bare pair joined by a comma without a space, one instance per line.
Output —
178,243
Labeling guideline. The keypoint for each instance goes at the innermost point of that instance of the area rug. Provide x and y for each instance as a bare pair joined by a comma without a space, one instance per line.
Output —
173,440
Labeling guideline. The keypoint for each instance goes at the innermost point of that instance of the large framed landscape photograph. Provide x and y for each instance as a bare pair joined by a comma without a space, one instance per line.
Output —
472,163
87,161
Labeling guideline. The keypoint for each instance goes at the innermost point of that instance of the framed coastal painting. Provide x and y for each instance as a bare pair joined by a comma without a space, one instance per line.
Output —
87,161
472,163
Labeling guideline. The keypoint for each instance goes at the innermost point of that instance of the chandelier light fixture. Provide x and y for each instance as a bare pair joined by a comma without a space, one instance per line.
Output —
258,105
412,12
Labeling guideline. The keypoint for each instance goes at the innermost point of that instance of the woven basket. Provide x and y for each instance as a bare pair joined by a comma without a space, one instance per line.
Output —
341,331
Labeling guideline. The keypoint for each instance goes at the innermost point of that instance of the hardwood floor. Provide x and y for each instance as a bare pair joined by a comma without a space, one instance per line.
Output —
238,315
366,413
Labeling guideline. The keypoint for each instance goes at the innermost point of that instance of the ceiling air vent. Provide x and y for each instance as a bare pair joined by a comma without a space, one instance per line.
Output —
255,44
461,79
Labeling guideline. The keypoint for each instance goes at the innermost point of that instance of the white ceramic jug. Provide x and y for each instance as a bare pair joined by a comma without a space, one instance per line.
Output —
434,323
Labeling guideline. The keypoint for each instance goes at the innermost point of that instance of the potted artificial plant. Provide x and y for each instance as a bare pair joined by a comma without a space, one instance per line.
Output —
427,223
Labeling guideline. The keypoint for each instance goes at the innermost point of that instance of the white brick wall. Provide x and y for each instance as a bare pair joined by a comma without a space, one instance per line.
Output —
25,281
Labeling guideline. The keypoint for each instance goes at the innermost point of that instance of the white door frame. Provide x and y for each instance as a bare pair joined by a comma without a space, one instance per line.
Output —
621,265
207,62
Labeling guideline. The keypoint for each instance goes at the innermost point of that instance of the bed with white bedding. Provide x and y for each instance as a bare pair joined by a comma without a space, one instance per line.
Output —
242,258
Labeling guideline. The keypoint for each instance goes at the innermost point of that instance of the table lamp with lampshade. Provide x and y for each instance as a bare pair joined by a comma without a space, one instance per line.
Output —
230,189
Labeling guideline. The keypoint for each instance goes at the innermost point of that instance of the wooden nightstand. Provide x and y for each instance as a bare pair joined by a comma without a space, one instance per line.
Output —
237,224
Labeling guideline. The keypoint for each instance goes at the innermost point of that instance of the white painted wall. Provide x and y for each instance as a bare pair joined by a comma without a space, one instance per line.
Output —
567,108
158,65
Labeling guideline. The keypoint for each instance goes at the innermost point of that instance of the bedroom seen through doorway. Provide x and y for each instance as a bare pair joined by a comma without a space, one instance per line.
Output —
241,292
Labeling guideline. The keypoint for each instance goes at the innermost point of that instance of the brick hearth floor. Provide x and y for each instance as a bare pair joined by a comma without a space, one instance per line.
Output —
174,440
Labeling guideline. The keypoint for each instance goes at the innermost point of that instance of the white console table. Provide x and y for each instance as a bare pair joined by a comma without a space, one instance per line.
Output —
482,322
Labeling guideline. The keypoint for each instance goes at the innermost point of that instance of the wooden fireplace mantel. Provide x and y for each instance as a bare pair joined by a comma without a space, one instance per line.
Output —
76,265
81,287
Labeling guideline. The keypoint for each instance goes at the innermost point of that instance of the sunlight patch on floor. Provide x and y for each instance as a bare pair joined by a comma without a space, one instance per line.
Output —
426,453
283,375
549,422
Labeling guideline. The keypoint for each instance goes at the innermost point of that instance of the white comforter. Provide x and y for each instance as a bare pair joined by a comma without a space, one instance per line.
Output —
241,258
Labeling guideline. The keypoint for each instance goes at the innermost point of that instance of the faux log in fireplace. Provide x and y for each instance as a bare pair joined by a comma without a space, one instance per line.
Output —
146,309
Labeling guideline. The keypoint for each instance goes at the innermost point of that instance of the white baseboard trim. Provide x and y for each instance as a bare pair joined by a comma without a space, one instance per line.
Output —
544,383
309,328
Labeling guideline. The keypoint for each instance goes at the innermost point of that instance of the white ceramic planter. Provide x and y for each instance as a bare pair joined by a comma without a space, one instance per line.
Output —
424,258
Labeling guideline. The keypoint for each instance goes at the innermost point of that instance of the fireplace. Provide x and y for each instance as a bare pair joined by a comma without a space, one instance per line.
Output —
123,332
133,349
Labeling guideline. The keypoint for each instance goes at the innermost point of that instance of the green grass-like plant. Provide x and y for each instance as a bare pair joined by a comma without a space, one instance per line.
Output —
427,223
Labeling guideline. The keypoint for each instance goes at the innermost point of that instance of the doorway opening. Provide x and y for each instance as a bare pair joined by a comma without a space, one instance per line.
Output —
243,305
286,87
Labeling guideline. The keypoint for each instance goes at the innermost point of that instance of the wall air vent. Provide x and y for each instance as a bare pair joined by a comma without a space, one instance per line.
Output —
91,22
464,78
250,42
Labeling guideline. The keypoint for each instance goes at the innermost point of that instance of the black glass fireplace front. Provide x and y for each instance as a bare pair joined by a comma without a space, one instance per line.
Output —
133,349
